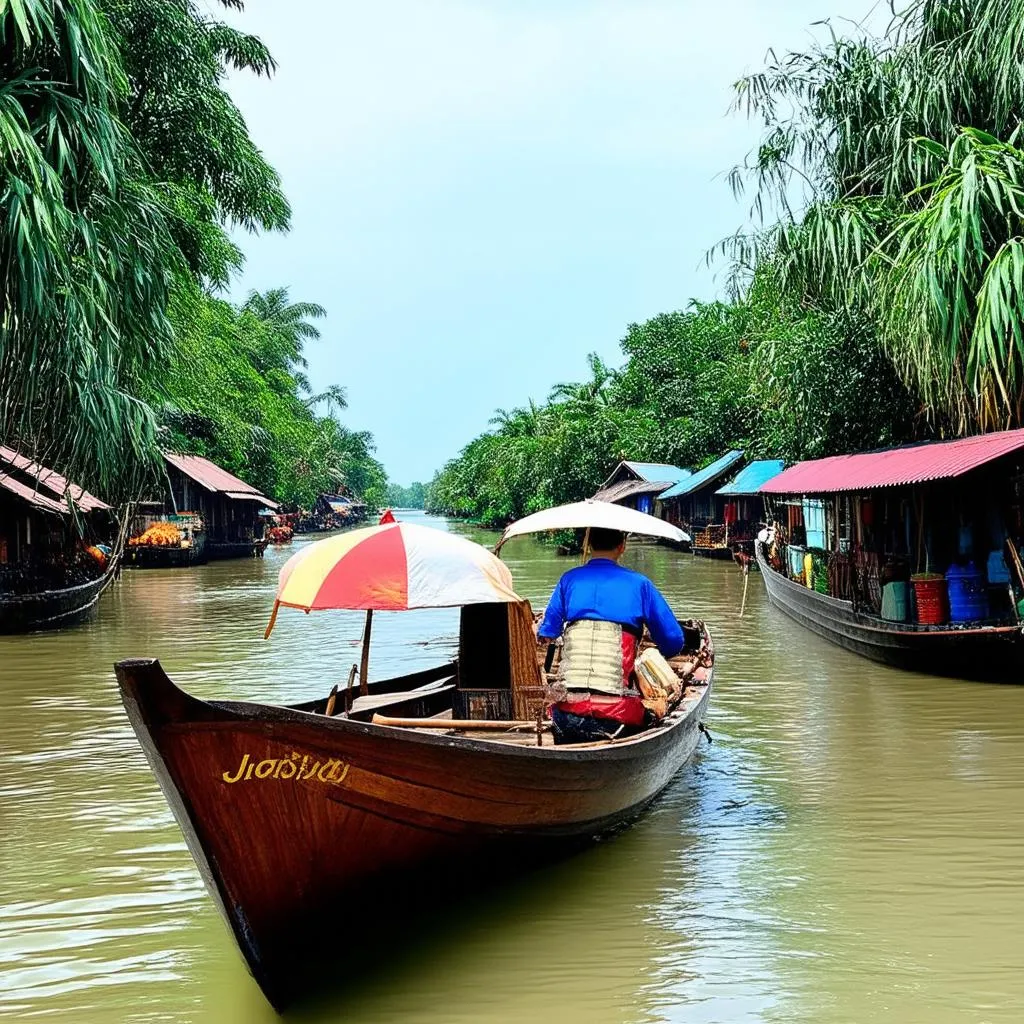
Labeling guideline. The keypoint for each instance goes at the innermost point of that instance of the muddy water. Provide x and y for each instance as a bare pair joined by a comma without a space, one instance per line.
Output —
850,848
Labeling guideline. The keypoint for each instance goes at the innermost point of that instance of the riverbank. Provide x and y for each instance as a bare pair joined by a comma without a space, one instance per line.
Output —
844,850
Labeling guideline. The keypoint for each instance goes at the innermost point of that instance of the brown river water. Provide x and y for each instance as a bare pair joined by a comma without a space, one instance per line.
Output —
850,847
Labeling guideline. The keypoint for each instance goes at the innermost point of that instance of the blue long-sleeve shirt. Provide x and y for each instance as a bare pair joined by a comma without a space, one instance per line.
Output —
608,592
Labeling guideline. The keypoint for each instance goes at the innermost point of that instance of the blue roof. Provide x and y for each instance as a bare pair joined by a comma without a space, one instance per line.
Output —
702,477
654,472
750,478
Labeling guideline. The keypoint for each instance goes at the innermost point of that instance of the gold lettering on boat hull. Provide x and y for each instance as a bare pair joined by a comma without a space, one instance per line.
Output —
332,771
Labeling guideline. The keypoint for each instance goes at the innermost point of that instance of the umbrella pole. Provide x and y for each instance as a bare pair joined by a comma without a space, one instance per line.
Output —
586,546
364,661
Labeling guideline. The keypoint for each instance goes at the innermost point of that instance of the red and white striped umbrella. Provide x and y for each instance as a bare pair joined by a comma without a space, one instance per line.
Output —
394,567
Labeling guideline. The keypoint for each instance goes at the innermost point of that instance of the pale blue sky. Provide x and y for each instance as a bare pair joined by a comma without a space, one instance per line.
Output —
484,191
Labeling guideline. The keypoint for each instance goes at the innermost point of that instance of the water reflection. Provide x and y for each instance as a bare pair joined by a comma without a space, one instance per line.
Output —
850,848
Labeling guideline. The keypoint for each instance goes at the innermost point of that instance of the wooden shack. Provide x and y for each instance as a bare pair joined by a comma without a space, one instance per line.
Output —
694,505
637,484
51,570
228,507
743,512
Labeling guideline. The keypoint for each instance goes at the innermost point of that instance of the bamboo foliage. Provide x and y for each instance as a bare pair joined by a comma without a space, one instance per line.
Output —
888,181
86,258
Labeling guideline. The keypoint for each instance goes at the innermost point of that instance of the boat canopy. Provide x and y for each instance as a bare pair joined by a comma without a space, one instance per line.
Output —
394,567
894,467
596,515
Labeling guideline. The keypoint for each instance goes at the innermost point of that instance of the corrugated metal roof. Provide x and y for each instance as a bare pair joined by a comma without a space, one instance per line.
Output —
912,464
630,488
32,496
653,471
209,475
703,477
249,496
751,478
51,480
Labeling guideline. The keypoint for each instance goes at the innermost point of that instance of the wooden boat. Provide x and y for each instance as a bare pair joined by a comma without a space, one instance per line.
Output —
53,609
220,550
297,818
166,556
985,652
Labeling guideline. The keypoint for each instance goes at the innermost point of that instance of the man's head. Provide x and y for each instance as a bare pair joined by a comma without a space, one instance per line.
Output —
607,543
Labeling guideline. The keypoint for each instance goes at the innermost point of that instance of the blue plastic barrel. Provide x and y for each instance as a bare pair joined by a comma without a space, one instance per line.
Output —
968,593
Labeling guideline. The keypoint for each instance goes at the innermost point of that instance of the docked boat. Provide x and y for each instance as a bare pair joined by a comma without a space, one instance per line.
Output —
981,651
53,608
298,816
55,559
908,556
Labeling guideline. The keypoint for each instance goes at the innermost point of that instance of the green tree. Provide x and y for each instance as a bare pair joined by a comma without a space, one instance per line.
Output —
905,150
87,255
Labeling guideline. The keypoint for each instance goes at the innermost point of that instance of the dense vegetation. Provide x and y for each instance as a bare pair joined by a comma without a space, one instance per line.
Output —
413,496
236,392
123,163
878,295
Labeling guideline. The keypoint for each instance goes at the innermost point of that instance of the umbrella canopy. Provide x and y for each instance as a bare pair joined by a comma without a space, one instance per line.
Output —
595,514
393,567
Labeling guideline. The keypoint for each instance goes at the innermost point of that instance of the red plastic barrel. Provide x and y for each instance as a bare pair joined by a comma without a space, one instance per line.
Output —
931,592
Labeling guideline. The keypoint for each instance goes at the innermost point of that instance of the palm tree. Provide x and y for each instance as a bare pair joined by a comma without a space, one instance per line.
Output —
288,328
589,394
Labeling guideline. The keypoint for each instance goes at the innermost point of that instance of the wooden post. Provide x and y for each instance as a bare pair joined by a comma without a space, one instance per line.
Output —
348,690
364,661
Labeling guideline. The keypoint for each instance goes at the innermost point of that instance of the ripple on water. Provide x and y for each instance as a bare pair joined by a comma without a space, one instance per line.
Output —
850,847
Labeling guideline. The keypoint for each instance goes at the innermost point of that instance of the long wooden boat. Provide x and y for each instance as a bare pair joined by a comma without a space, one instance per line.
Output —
972,651
53,609
296,818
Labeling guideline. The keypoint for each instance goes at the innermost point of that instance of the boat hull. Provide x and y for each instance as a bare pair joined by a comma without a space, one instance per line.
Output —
720,553
52,609
152,556
992,653
294,817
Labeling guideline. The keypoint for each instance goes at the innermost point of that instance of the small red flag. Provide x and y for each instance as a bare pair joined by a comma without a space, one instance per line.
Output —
388,517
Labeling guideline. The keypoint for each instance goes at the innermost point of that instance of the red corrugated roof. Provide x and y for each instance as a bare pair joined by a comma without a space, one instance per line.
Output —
32,496
209,475
51,480
914,464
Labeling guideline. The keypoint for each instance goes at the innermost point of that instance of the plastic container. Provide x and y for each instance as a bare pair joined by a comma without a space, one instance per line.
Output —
796,560
997,570
968,595
896,602
820,574
809,571
931,594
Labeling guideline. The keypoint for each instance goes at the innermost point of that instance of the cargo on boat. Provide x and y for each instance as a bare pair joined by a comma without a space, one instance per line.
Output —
909,556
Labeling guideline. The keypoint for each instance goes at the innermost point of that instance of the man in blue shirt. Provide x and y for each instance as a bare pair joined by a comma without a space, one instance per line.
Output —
600,610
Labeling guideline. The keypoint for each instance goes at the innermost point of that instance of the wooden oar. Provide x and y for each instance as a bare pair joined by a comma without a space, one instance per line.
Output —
746,580
451,723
